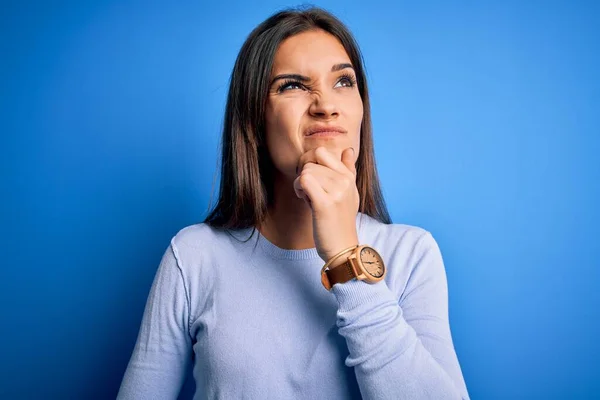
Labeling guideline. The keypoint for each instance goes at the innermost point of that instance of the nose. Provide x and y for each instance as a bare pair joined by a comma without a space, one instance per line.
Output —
323,107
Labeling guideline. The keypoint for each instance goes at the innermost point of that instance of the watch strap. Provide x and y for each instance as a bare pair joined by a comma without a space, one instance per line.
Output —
340,274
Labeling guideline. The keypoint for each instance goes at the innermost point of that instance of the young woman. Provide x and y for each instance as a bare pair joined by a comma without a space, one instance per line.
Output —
329,300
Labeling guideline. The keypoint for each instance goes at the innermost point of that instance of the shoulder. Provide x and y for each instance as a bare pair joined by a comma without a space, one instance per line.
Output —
196,236
393,235
196,243
410,252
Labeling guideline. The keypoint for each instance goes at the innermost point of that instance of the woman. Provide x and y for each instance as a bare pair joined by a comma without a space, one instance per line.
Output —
330,299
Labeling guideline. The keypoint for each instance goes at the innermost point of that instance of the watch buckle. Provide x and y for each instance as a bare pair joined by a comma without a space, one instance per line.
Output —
353,260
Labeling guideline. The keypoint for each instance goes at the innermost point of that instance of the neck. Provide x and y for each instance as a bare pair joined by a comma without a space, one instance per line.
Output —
288,224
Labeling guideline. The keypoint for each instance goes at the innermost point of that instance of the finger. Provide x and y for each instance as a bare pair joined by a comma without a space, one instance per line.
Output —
302,195
349,158
311,188
298,189
322,156
326,177
308,157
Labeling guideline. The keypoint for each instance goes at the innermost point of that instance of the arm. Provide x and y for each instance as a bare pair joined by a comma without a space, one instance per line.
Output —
163,351
402,349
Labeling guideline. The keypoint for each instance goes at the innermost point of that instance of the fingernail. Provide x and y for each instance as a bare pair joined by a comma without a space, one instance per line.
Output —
353,152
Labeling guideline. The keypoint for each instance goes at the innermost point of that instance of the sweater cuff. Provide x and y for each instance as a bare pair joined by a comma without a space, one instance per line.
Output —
355,293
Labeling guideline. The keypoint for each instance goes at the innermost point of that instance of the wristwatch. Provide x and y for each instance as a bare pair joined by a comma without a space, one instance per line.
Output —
364,263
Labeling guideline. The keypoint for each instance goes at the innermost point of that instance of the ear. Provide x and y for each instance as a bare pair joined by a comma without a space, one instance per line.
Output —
349,159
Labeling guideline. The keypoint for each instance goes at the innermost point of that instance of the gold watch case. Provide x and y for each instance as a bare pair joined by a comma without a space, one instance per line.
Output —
367,264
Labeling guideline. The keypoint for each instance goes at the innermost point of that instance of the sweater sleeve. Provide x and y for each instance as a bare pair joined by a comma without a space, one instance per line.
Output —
402,348
163,352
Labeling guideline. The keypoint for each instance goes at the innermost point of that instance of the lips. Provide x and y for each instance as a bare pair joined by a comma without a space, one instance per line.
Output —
324,130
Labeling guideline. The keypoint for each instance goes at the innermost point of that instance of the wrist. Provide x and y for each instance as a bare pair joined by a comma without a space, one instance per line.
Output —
340,260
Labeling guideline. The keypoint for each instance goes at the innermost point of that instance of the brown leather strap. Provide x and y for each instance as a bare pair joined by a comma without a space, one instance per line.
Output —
340,274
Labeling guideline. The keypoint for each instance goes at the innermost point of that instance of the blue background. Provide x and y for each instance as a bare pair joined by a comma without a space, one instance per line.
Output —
486,120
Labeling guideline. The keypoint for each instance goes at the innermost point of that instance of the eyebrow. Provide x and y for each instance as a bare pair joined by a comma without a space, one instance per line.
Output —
339,67
302,78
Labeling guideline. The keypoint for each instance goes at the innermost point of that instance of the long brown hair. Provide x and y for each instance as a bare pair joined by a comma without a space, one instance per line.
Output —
246,168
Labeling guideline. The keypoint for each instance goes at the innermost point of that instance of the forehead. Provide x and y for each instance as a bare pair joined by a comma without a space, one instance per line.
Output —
314,50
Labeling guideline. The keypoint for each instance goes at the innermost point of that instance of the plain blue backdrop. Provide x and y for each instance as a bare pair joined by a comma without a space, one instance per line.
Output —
487,133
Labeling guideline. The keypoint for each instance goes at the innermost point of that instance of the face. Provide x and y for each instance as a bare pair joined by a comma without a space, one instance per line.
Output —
313,100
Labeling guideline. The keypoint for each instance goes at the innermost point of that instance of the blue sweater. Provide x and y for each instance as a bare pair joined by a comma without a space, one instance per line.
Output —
255,322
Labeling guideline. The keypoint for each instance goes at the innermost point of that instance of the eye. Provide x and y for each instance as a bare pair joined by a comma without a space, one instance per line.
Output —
346,81
289,85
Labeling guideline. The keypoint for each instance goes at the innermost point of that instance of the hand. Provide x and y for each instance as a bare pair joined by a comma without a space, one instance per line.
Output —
328,185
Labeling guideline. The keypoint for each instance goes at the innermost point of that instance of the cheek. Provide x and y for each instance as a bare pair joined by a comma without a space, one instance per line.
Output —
285,116
356,119
356,110
282,124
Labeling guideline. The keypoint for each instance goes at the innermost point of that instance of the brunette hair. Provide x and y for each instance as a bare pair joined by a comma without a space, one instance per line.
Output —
247,174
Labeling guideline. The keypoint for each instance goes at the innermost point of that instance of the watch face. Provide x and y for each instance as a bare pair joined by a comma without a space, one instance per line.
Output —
372,262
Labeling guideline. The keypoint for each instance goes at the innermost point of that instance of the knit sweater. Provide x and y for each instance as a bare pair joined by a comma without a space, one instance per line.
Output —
255,322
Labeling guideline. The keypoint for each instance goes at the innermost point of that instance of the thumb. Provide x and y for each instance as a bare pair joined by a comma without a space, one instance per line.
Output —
349,159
